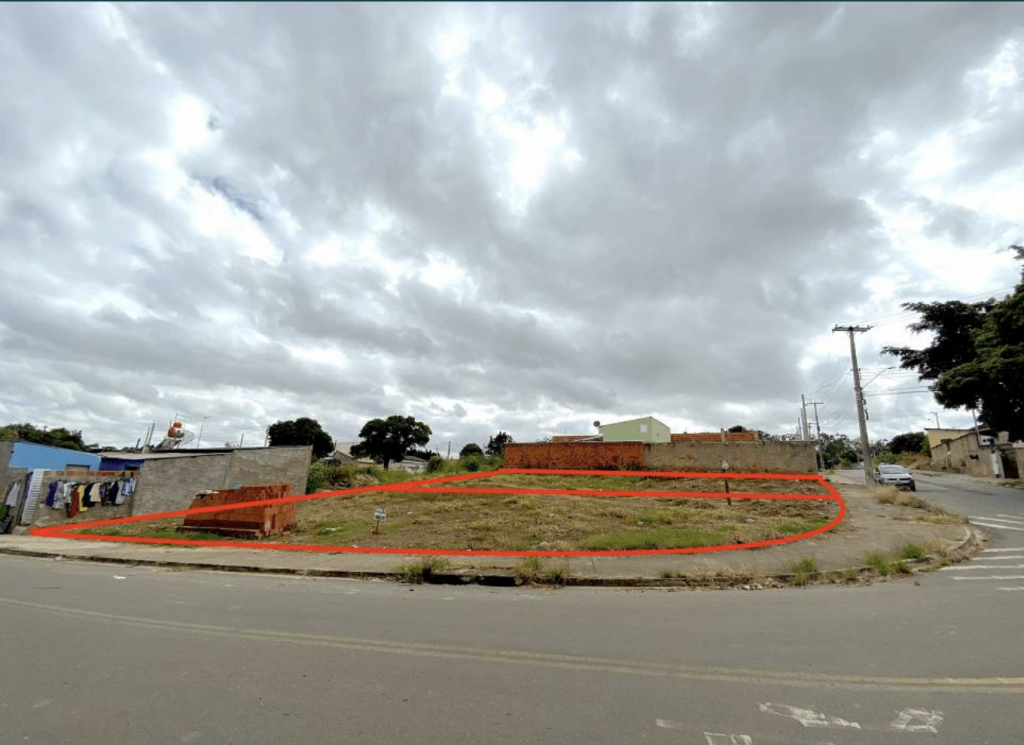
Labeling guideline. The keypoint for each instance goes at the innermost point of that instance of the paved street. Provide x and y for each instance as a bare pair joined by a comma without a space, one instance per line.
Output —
98,653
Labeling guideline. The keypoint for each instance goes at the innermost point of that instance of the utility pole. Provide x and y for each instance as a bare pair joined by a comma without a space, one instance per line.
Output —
936,415
858,392
817,434
803,418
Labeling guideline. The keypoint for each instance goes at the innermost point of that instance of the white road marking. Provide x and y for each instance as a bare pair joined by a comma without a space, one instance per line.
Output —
916,720
669,724
1014,576
806,717
996,519
998,550
999,527
1014,557
1013,517
981,566
715,738
1019,588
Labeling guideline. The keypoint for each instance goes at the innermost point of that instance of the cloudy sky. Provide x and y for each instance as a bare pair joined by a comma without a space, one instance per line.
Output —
517,217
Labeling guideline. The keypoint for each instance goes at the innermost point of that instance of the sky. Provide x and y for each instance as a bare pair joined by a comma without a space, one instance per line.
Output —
493,217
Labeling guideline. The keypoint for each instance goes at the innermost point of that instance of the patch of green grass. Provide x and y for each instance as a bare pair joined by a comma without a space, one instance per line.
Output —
529,569
655,538
912,552
668,574
655,518
793,527
901,567
880,563
559,575
803,569
418,572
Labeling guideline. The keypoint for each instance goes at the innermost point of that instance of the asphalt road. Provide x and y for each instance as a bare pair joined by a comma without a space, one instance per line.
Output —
93,653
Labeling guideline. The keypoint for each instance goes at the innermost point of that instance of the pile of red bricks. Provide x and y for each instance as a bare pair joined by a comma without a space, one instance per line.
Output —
575,455
247,522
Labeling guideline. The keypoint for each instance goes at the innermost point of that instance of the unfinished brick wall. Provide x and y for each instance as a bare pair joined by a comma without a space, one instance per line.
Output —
248,522
576,455
715,437
743,457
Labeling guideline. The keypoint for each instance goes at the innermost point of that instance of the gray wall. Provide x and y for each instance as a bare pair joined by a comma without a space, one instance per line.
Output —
167,484
9,476
743,457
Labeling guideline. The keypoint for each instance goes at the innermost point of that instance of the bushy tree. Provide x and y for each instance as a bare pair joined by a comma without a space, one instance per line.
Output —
837,450
387,440
59,437
976,357
496,445
908,442
301,431
470,449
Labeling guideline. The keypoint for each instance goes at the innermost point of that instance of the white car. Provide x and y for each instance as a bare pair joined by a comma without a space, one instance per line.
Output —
897,476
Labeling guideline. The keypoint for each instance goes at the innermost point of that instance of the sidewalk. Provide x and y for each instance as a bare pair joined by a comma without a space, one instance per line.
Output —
869,527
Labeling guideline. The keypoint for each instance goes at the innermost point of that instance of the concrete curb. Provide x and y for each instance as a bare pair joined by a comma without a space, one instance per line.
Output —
495,579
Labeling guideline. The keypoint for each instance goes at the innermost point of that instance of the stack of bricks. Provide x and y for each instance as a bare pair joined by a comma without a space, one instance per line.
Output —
250,522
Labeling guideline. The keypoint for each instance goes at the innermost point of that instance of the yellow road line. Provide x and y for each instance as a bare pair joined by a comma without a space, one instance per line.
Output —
999,685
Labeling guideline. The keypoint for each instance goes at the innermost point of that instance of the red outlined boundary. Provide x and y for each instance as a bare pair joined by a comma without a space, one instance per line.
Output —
426,485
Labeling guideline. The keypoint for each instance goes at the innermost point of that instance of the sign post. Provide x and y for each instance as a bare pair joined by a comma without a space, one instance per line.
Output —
379,514
725,468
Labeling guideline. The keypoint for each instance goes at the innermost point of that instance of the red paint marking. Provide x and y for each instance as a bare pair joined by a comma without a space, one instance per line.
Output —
423,485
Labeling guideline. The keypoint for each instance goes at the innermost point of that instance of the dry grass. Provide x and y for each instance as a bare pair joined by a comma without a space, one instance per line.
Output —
525,522
884,494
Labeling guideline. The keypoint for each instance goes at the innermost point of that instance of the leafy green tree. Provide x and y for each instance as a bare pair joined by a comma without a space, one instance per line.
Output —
737,428
302,431
837,450
471,449
386,440
976,358
908,442
496,445
59,437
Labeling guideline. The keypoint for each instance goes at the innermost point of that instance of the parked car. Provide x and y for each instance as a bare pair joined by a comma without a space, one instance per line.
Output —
897,476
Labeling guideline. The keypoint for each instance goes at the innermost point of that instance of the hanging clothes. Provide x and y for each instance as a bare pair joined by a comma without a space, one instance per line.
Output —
51,494
74,501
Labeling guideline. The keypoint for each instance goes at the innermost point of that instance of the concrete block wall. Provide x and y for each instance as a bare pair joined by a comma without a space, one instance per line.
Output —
45,517
167,484
743,457
577,455
278,465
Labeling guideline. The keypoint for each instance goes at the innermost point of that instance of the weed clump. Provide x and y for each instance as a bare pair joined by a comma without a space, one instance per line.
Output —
418,572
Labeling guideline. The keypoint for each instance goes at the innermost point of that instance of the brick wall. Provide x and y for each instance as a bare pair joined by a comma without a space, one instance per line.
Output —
743,457
749,457
578,455
715,437
259,521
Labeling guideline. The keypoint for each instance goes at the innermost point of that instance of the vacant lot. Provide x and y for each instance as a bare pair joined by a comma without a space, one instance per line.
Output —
523,522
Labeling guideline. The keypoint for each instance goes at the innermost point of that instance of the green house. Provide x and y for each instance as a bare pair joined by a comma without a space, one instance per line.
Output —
645,429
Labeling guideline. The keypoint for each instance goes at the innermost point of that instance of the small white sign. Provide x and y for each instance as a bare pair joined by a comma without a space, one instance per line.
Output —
380,514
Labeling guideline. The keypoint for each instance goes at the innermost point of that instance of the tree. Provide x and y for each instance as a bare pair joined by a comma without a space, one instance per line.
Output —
737,428
496,445
908,442
301,431
976,358
386,440
837,450
471,449
59,437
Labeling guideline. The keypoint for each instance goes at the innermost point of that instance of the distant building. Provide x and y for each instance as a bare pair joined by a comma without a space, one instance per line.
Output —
343,454
645,429
410,463
979,452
